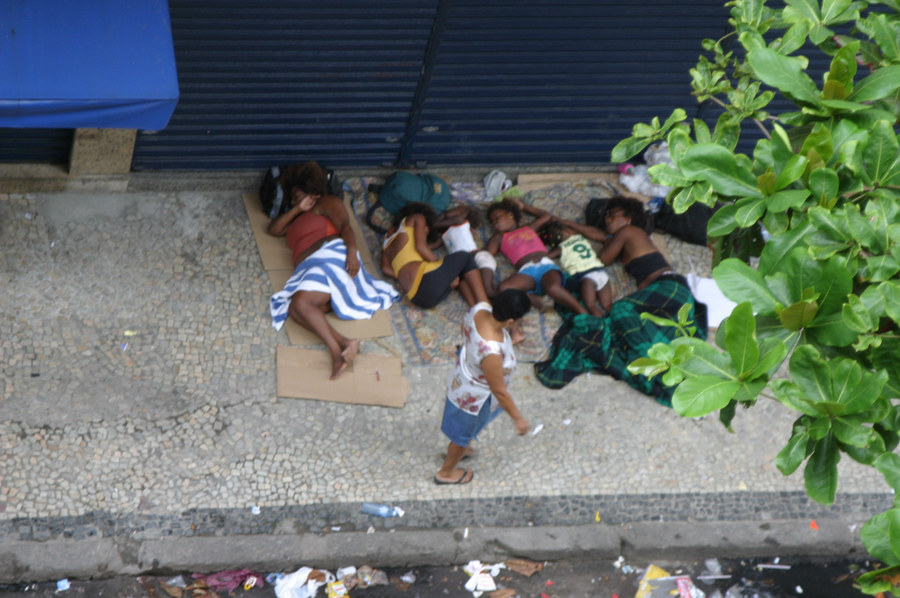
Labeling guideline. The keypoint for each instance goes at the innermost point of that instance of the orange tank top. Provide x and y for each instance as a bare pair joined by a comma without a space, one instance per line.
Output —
306,230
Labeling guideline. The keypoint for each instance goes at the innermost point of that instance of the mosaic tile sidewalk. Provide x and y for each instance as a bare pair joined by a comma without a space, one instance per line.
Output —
137,401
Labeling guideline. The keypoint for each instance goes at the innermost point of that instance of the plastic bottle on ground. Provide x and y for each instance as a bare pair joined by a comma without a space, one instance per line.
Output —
371,508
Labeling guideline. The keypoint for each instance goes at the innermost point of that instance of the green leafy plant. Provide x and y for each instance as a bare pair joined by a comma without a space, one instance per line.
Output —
823,186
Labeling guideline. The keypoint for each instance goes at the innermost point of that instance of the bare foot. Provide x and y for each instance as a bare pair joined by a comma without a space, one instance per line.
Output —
350,350
338,365
597,311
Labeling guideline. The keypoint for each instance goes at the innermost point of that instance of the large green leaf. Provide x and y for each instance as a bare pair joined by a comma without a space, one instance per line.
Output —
880,267
823,184
881,155
877,536
739,282
889,466
784,73
628,148
719,167
879,581
774,254
830,331
843,65
856,316
796,450
703,394
799,315
791,396
793,39
722,221
792,170
704,360
830,223
749,210
884,30
740,339
821,473
664,174
781,201
880,84
772,352
890,291
849,431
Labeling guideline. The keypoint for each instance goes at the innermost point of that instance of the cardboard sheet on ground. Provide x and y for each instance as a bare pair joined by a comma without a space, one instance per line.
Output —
278,263
369,380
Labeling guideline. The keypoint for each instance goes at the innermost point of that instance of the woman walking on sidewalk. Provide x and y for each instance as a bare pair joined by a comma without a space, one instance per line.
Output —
484,368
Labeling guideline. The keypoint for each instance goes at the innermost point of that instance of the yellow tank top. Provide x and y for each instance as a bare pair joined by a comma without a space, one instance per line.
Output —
409,254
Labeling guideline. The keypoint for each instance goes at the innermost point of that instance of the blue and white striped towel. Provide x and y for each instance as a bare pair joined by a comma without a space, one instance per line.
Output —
324,271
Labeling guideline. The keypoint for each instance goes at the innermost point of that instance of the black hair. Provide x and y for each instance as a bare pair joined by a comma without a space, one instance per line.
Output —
510,304
551,233
310,178
506,206
415,208
473,215
632,208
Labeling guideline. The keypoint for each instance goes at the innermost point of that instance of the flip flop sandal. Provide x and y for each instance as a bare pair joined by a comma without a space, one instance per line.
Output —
466,472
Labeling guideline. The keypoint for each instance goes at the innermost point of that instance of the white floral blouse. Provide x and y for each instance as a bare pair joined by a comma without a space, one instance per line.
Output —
468,388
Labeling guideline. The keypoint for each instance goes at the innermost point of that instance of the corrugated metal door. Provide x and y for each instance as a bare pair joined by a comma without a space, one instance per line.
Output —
275,81
532,81
409,82
35,146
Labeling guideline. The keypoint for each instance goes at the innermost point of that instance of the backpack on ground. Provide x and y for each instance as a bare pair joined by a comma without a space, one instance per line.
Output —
275,201
402,188
689,226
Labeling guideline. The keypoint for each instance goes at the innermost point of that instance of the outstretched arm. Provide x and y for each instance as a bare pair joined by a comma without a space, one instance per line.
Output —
542,217
590,232
492,366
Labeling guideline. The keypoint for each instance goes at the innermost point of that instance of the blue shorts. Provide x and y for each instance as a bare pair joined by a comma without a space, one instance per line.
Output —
536,271
461,427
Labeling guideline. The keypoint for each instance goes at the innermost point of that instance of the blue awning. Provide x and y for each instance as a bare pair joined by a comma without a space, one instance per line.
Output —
75,64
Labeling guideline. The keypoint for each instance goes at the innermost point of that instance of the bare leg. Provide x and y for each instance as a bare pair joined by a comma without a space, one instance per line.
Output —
488,282
604,296
552,283
472,288
515,333
589,296
522,282
449,472
308,308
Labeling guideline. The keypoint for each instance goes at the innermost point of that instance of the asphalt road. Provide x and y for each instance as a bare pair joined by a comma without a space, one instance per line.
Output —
757,578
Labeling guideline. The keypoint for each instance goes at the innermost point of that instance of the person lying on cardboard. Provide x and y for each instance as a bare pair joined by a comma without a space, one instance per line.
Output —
328,272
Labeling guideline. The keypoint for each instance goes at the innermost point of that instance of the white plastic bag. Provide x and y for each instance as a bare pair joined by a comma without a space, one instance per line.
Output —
298,584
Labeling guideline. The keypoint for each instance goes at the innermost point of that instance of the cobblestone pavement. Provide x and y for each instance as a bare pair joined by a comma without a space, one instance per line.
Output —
138,400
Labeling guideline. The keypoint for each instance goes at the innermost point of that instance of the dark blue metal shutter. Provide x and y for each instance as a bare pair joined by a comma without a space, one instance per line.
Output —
268,82
533,81
38,146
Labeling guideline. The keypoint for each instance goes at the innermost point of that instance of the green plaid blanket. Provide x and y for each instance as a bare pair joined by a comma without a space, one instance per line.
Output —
607,345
